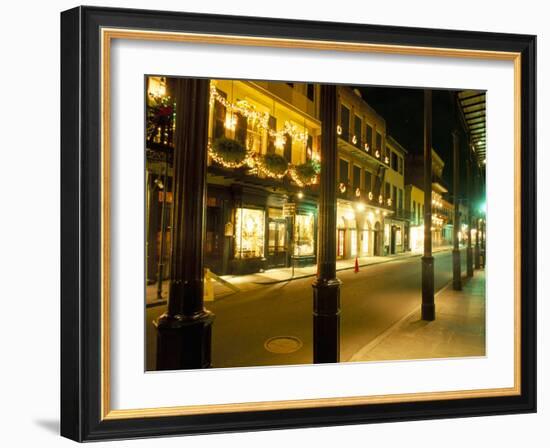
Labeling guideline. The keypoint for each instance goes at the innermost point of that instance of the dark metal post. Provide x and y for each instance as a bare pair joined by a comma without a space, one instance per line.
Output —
428,303
477,254
483,250
184,331
326,287
469,255
160,276
457,274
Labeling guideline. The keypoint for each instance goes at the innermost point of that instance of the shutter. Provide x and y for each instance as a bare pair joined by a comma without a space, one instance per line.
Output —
272,123
241,128
219,117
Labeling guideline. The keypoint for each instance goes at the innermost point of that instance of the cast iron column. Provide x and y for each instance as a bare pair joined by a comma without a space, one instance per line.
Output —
457,274
184,331
477,254
326,287
428,304
483,250
469,255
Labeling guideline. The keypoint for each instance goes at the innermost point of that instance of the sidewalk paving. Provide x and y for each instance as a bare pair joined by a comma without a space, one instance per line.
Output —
457,331
279,275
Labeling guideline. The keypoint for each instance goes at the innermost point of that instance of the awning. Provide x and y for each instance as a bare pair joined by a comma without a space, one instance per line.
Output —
473,107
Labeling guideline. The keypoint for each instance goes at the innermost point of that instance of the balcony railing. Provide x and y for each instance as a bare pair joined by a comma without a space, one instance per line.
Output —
364,148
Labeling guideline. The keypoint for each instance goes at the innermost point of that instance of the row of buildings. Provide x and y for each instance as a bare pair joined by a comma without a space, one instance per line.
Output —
263,170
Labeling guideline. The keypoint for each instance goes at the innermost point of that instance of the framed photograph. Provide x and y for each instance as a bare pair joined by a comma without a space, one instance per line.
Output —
275,223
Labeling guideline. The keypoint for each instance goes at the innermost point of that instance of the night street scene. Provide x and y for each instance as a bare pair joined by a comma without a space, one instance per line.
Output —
296,223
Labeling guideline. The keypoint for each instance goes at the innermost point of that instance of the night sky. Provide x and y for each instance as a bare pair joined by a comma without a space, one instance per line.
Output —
403,110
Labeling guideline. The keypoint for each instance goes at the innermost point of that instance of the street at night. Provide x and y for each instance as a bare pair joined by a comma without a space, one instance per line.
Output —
372,301
330,215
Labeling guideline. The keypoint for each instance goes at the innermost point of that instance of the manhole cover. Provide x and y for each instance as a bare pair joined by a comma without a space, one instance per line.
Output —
283,344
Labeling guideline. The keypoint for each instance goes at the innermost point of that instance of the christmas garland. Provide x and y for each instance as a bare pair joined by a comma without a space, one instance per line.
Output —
230,153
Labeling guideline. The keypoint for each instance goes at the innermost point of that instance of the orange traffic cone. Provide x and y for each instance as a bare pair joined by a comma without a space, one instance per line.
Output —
356,270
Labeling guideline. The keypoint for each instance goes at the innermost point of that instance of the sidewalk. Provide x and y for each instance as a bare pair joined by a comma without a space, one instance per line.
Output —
278,275
457,331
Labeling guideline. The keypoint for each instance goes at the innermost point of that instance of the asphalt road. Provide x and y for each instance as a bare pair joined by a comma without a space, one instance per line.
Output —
372,301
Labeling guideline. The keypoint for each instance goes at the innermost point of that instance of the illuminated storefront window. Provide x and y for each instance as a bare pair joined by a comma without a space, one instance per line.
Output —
417,238
386,234
341,236
398,237
365,242
249,233
304,234
353,242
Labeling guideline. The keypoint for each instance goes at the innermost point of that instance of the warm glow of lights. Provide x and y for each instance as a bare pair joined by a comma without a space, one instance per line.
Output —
339,130
360,207
349,215
300,195
371,196
354,139
380,199
358,192
367,147
280,141
230,121
377,154
260,119
157,86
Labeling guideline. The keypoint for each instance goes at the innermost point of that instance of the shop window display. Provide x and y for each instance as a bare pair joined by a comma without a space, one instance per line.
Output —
398,238
353,242
304,240
365,242
249,233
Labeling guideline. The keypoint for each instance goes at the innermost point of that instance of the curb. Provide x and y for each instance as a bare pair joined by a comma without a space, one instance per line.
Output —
273,282
394,327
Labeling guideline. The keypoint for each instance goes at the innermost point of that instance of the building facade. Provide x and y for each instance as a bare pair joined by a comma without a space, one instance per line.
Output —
442,209
262,175
364,202
262,178
414,203
396,225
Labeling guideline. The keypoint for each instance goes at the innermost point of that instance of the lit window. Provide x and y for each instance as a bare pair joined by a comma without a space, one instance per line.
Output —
249,233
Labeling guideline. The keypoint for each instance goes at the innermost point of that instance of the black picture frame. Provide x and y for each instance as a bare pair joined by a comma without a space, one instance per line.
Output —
81,224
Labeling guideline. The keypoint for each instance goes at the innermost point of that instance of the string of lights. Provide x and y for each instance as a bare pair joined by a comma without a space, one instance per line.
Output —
260,119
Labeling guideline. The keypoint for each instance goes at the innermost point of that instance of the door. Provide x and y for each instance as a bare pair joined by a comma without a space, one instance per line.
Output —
276,249
392,240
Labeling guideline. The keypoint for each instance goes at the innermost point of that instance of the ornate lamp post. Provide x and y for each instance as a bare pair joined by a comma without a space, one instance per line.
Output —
428,303
326,287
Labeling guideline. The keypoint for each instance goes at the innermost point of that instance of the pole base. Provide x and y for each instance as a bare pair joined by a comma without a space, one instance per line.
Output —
184,342
326,321
457,271
428,302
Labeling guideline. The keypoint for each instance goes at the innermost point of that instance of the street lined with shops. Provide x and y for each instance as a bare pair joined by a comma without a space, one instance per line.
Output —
372,302
317,230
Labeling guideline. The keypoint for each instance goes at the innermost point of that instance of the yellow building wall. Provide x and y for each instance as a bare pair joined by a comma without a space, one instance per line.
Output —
262,96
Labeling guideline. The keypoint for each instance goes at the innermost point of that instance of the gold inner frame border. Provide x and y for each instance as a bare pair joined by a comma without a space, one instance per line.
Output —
107,35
